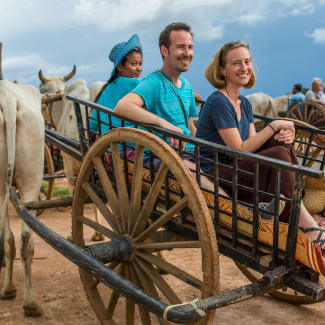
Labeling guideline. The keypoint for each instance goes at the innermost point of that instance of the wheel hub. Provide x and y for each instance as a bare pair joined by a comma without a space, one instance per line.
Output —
119,249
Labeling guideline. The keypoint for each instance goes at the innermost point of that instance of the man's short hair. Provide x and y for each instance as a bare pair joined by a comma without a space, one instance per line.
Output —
298,87
316,80
164,38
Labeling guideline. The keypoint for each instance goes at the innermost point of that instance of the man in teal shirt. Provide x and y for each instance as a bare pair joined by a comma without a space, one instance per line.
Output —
157,92
164,98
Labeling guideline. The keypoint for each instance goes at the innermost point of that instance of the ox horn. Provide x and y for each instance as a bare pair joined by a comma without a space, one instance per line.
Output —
41,76
71,74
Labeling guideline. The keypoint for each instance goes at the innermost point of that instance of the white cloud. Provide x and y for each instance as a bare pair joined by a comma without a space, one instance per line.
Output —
37,23
207,32
20,17
26,60
305,9
210,17
115,15
250,19
112,16
318,35
25,68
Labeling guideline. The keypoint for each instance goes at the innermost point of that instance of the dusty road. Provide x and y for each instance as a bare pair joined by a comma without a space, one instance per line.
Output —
60,293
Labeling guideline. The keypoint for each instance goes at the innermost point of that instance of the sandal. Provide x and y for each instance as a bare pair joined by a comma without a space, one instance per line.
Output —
318,240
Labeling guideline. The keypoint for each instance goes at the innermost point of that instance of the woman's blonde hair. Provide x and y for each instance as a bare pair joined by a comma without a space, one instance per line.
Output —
213,71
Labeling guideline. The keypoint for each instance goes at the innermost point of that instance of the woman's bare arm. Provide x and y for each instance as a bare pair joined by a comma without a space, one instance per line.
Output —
231,136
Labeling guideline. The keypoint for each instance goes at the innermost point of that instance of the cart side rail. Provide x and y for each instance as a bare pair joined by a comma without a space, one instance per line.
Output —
106,119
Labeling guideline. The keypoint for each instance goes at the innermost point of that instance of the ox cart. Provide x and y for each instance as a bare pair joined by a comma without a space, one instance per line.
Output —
308,112
152,207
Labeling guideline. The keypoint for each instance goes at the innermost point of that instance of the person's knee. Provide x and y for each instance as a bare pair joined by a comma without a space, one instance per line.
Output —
281,153
284,153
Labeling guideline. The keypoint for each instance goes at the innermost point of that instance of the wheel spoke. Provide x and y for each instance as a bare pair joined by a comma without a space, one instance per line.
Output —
114,265
180,205
135,202
150,200
309,117
148,286
160,282
295,116
129,305
94,283
114,296
106,213
299,114
171,269
123,196
145,317
107,185
169,245
305,113
101,229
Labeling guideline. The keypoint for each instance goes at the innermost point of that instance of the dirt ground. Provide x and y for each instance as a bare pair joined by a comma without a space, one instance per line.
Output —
60,292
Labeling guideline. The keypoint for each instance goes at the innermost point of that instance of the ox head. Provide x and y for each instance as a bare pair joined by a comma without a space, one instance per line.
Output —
54,85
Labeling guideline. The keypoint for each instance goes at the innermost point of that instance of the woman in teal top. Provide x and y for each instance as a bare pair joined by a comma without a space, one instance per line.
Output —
127,59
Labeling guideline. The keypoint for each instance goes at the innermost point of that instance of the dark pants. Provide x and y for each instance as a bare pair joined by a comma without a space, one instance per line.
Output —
272,149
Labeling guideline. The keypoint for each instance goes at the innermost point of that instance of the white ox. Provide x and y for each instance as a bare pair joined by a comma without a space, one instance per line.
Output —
267,106
262,104
280,104
64,120
94,89
21,162
53,85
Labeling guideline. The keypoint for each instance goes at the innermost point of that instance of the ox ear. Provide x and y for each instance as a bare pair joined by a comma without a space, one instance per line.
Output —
41,77
71,74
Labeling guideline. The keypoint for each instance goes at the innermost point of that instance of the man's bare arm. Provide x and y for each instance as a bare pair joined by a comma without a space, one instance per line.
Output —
192,126
132,106
315,100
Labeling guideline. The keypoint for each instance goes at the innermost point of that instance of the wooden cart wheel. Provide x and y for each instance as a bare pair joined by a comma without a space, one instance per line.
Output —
291,296
308,112
127,213
47,188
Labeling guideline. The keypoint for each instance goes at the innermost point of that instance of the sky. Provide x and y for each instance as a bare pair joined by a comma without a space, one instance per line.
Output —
286,37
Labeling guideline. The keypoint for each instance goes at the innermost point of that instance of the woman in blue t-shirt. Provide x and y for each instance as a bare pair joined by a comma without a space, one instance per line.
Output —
227,119
127,59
